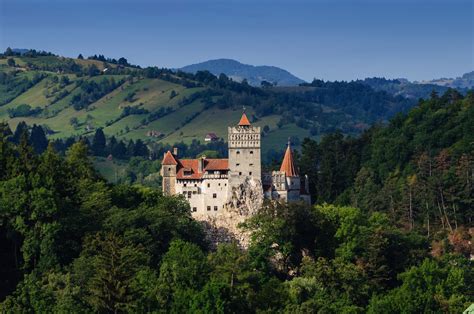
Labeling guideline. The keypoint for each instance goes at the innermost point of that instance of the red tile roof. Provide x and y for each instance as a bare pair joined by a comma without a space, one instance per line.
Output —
169,159
216,164
288,164
189,168
244,121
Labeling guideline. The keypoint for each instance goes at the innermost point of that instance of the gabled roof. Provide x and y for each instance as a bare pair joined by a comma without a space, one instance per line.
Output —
244,121
211,135
169,159
288,164
189,168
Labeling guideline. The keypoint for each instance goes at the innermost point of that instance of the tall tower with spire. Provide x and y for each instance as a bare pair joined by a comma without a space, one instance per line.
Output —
244,152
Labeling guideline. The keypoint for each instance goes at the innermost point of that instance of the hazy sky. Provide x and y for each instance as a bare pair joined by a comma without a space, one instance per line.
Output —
331,40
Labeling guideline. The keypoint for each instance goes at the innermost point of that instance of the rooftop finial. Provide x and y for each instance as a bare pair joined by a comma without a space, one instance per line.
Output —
243,108
289,141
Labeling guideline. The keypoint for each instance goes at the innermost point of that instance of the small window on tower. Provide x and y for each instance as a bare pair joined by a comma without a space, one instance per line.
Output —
208,185
251,165
238,152
240,173
251,152
194,209
215,208
237,165
184,184
208,208
250,173
214,195
169,168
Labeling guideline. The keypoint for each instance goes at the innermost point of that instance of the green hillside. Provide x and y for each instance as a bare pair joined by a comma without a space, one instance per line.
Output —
74,97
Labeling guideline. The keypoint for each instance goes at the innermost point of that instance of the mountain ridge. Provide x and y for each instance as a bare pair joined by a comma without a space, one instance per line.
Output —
239,71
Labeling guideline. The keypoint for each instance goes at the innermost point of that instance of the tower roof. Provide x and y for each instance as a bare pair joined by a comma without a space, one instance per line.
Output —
288,164
169,159
244,121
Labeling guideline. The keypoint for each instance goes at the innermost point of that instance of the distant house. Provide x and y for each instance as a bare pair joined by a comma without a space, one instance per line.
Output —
153,133
211,137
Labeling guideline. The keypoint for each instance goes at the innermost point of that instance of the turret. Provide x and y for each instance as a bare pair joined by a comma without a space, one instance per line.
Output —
168,172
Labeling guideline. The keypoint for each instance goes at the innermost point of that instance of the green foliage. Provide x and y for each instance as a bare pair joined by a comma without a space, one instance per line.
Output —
434,287
418,169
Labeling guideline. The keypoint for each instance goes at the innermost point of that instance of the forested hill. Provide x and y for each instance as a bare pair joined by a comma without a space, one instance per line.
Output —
418,169
75,97
401,243
254,75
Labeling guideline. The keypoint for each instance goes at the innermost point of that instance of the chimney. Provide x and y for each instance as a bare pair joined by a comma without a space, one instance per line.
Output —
175,151
201,164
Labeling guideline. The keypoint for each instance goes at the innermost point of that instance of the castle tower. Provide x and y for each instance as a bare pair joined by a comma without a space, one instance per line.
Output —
286,182
244,152
168,172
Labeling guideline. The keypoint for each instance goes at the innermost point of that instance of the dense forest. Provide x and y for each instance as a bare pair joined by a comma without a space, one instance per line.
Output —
418,169
395,240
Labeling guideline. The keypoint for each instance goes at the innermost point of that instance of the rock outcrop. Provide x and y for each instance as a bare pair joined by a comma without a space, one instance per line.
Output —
245,200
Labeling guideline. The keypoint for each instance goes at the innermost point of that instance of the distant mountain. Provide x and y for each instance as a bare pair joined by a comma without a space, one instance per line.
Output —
239,71
403,87
465,81
423,89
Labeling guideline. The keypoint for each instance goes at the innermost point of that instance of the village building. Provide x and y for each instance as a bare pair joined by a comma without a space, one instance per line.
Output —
211,137
209,184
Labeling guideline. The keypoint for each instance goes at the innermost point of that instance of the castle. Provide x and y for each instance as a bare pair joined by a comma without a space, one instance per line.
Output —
210,185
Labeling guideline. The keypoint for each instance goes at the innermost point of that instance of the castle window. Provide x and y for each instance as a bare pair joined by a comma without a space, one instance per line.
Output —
214,195
219,184
251,152
208,208
169,168
208,185
251,165
195,184
184,184
215,208
194,209
250,173
240,173
237,165
238,152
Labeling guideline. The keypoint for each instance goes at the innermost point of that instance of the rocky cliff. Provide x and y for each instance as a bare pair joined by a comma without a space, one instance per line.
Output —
245,200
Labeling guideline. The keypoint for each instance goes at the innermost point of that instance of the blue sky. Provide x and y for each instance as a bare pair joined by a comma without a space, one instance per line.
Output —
331,40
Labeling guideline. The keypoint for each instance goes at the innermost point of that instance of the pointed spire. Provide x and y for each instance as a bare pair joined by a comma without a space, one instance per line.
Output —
244,121
288,164
169,159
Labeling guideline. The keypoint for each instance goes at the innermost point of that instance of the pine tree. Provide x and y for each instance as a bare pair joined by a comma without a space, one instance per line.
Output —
38,139
98,143
20,128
